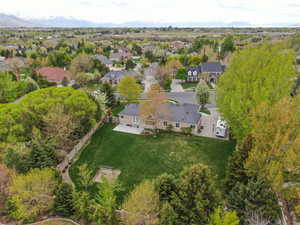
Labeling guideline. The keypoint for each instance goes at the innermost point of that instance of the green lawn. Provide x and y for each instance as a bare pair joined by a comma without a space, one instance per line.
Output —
189,85
143,157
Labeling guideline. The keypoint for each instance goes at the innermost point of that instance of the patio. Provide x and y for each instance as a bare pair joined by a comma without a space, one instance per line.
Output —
127,129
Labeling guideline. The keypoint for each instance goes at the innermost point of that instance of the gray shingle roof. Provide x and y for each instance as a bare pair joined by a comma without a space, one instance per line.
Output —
103,59
182,113
117,75
212,67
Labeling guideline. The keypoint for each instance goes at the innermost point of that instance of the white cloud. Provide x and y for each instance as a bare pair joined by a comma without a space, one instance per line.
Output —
118,11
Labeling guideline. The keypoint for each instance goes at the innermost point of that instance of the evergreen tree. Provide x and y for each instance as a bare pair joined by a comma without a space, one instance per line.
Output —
42,153
64,201
191,198
236,171
254,197
110,97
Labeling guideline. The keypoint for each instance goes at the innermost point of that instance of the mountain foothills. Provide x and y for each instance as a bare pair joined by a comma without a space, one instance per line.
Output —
7,20
148,126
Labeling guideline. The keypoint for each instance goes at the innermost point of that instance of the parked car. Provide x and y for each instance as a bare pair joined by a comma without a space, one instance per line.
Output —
221,128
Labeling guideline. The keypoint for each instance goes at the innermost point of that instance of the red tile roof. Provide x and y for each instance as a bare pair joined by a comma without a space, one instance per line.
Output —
53,74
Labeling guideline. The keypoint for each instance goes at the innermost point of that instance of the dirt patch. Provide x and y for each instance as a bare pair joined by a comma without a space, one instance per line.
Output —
108,172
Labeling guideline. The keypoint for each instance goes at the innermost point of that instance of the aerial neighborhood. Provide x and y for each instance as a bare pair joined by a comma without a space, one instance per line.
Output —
149,126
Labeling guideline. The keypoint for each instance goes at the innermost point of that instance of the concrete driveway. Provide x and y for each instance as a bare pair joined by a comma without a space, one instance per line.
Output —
127,129
176,86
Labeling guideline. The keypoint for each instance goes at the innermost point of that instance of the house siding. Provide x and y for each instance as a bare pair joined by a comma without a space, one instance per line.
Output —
129,120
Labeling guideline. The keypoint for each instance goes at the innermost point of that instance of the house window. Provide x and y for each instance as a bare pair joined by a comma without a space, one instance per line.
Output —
195,73
135,120
190,73
177,125
192,126
165,123
122,117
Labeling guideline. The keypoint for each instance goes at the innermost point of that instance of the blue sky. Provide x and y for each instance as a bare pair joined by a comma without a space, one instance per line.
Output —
119,11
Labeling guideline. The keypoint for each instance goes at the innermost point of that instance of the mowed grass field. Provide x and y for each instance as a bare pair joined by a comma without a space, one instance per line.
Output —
145,157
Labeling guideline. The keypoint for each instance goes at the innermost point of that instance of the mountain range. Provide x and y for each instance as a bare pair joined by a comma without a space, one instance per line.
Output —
14,21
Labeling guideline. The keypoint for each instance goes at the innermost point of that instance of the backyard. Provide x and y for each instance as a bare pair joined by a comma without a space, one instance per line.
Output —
143,157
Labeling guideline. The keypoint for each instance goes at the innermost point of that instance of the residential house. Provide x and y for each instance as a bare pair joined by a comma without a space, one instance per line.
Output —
120,56
114,77
104,60
209,71
180,116
54,74
193,73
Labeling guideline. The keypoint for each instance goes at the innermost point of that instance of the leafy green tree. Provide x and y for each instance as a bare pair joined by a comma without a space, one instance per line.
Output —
129,64
10,89
141,206
227,45
136,49
103,207
109,92
150,56
31,194
64,200
255,75
181,73
225,218
236,172
65,82
42,153
82,205
253,197
129,89
59,58
192,197
202,93
275,155
195,60
81,64
85,175
16,156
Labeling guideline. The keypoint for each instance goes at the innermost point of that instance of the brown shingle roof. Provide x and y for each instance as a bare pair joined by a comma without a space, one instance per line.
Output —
53,74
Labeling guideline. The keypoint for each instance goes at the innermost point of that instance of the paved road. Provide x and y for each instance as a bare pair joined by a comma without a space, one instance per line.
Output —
190,97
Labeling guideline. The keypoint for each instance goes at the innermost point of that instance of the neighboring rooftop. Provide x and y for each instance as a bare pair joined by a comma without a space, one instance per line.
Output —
103,59
117,75
212,67
53,74
183,113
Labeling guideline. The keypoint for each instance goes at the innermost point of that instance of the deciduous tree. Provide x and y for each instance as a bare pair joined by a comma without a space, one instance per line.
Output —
141,206
224,218
275,153
255,75
129,89
202,93
31,194
154,108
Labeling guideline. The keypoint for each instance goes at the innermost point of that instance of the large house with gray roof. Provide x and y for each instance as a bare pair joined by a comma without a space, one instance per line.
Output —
104,60
179,116
114,77
209,71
